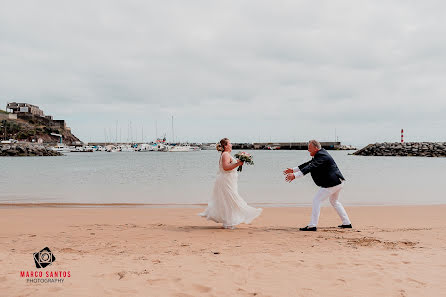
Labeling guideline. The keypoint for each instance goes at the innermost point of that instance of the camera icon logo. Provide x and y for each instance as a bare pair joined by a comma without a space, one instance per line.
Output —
44,258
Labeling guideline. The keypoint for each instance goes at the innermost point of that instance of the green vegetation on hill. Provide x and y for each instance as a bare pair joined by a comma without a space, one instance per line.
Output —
16,130
2,111
31,130
24,131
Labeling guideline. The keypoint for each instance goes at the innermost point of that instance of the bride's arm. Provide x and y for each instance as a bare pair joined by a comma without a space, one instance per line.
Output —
226,162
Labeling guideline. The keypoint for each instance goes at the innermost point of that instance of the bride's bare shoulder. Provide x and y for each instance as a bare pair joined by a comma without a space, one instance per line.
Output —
225,155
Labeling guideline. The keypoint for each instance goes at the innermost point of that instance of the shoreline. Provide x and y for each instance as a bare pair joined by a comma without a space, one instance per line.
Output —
182,205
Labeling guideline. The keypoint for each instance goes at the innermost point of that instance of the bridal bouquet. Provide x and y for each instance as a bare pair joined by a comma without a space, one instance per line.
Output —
244,157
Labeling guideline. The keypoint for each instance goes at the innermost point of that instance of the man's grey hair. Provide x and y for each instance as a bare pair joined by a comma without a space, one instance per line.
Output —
315,143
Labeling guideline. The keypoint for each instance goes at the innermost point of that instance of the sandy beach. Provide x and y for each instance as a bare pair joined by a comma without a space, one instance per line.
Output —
135,251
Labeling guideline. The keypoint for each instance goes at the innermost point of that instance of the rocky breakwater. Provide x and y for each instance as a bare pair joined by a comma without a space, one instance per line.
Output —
20,149
410,149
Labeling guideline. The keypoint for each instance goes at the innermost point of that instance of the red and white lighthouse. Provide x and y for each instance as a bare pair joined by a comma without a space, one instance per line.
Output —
402,136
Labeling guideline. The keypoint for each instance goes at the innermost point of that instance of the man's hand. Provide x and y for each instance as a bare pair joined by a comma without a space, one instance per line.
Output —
290,177
288,170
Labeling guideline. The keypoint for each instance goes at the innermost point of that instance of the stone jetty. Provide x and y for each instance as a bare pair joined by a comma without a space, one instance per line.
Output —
26,149
410,149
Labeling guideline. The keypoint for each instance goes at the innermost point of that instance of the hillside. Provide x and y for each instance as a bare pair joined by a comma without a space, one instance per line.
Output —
27,130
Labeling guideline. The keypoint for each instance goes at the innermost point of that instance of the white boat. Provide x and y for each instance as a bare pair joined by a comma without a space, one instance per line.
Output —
209,147
146,147
61,148
161,145
81,149
111,148
99,148
126,148
180,148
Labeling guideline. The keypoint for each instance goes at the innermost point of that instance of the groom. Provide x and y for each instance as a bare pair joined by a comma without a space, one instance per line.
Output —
328,177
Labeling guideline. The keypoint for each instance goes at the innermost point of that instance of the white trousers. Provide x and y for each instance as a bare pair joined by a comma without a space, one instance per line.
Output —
333,194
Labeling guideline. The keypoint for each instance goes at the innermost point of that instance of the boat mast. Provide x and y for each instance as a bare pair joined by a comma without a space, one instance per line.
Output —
156,129
116,133
173,135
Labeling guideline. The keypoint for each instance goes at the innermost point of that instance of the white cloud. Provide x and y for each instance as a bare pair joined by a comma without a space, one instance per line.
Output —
290,71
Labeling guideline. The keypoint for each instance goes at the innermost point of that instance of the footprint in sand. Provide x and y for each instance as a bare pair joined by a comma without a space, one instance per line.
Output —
121,274
246,292
70,250
156,281
183,295
202,289
416,281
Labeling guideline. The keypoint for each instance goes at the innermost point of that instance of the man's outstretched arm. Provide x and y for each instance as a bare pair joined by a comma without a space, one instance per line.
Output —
293,175
316,162
295,171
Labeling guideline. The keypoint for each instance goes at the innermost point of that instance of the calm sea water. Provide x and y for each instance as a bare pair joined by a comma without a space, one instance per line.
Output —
187,178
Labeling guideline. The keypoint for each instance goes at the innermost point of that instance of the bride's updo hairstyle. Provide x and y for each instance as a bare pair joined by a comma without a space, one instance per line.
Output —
222,145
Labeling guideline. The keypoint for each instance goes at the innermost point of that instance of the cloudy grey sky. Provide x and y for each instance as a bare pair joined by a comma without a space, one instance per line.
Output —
248,70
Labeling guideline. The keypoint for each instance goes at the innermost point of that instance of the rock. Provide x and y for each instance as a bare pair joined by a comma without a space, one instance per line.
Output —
422,149
25,149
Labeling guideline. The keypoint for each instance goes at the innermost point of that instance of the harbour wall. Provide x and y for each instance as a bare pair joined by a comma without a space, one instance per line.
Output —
409,149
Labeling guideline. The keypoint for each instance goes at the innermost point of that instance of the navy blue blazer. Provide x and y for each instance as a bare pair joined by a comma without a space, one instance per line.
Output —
324,170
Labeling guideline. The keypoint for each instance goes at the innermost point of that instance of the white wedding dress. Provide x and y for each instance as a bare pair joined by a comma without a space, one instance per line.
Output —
225,205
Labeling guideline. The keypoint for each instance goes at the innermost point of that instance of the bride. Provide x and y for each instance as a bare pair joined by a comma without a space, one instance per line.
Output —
226,206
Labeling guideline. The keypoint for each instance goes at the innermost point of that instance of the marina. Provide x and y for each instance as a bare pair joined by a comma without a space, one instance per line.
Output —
163,146
27,123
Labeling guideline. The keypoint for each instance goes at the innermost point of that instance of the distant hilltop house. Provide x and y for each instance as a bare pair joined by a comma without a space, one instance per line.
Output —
17,108
32,112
